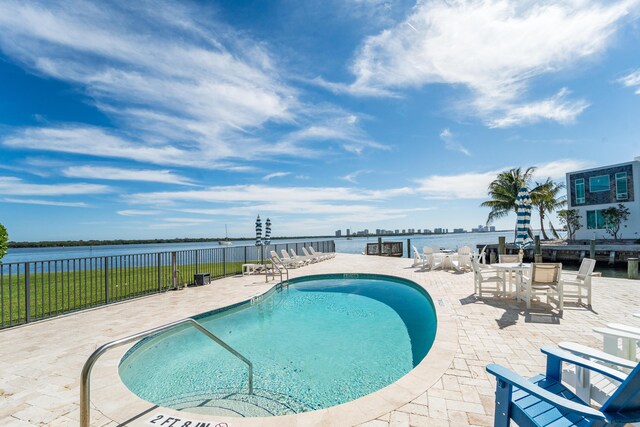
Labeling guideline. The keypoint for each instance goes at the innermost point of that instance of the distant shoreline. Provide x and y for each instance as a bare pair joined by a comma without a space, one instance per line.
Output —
67,243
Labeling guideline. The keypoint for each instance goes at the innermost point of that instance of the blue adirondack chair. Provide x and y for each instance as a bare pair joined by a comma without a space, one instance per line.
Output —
544,401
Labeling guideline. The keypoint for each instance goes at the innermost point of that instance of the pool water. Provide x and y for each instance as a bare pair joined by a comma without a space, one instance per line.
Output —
321,341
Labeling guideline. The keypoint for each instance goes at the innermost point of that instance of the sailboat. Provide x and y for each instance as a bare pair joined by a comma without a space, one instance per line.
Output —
225,241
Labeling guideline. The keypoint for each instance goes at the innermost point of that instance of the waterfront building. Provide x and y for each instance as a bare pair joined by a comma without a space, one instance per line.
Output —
338,233
458,230
590,191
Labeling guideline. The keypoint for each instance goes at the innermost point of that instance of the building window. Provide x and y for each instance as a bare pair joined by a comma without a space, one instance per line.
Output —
595,220
621,186
599,183
579,191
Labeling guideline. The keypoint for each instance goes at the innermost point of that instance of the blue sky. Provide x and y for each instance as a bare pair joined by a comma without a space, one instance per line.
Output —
158,119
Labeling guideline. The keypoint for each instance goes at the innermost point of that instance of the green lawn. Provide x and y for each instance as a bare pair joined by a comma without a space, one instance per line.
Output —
62,290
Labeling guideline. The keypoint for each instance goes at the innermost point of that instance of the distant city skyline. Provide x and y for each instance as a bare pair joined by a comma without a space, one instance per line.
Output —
171,119
437,230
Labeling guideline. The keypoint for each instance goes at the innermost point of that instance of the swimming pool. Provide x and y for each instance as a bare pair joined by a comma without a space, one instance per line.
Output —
321,341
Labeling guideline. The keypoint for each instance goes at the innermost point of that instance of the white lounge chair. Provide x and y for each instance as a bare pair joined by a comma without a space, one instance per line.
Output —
303,258
288,263
486,280
285,257
578,285
321,254
544,279
314,258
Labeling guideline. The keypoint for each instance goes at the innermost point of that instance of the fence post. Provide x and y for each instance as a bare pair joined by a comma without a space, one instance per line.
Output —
379,246
502,246
106,280
159,272
197,261
245,254
174,270
27,291
592,249
224,261
408,248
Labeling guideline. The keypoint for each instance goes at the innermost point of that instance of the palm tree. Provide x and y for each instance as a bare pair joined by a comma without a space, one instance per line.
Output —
545,197
504,190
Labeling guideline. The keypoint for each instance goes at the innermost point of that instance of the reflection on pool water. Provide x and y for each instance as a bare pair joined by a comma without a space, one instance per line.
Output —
321,341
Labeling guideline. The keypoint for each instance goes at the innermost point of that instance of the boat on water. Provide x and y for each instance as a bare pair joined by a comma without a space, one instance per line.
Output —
225,241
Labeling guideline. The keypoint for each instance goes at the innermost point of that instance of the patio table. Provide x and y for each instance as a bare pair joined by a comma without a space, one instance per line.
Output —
512,267
444,260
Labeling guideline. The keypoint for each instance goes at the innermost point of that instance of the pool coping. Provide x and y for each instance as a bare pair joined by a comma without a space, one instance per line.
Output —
129,409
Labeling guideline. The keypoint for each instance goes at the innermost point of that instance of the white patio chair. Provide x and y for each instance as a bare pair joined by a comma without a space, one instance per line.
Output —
418,260
620,340
578,285
464,258
592,385
486,280
427,255
506,258
544,279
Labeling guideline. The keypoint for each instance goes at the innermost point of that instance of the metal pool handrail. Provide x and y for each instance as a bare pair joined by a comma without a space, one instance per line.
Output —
274,263
85,417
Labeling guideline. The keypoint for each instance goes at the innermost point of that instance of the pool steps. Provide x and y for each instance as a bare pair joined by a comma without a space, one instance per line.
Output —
262,403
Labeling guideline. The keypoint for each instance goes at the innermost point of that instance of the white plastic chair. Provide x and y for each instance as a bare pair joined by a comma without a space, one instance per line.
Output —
484,277
544,279
578,285
464,258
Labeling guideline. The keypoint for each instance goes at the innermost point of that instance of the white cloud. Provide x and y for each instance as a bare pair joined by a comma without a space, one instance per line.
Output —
120,174
494,48
263,193
45,202
351,177
451,143
137,212
556,108
16,187
631,80
473,185
557,170
93,141
275,175
182,88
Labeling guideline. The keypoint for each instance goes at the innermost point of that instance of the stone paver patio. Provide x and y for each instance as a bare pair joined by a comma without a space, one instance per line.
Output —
40,363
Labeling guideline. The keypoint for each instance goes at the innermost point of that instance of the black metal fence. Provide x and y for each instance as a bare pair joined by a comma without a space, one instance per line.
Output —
41,289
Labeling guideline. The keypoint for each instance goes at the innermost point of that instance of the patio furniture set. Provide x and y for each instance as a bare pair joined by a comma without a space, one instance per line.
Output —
524,281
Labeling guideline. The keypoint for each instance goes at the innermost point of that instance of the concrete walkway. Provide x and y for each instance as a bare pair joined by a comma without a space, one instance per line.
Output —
40,363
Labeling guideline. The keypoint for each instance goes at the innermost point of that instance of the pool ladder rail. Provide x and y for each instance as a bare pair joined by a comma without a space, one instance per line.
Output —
85,378
280,267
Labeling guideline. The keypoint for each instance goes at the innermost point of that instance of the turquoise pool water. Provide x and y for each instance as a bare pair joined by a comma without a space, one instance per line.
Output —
321,341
